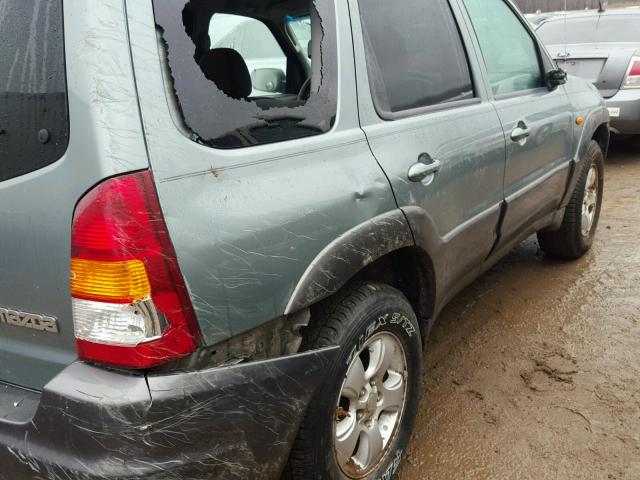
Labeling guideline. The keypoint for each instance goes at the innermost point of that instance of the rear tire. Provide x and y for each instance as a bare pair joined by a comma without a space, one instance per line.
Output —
575,236
360,420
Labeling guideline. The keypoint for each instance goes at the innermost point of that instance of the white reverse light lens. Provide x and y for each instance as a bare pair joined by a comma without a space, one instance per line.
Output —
116,324
632,78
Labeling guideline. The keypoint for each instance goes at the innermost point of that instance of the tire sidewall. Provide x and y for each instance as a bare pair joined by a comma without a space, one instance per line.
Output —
385,311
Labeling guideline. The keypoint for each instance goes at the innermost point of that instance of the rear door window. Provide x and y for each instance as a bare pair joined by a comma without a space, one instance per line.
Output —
34,126
415,55
509,51
250,73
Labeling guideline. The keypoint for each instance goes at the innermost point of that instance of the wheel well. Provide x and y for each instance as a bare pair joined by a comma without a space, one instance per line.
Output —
602,135
410,270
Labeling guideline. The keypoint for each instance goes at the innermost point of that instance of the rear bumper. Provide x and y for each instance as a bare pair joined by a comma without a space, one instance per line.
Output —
628,120
230,423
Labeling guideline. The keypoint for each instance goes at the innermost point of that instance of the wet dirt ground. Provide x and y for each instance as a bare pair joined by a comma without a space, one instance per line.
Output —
533,372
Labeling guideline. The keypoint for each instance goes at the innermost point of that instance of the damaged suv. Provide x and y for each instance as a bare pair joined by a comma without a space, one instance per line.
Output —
227,226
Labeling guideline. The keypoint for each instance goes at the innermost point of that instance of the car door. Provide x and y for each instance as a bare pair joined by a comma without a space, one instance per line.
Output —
537,121
431,127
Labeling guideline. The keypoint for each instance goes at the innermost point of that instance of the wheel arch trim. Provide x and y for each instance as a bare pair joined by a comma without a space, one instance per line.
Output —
596,120
349,254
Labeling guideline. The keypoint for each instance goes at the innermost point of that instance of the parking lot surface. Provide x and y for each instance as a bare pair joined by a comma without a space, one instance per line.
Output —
533,372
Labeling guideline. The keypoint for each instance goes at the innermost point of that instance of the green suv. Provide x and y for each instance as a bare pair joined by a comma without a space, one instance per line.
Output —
227,226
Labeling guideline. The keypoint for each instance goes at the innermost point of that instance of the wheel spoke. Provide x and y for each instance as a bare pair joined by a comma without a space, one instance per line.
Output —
392,391
370,447
347,434
586,223
381,353
591,179
355,381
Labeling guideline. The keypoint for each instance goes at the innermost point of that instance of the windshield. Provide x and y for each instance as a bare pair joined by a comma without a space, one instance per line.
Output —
592,29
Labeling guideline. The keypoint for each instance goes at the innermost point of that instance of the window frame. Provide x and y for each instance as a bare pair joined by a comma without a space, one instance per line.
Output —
480,54
390,116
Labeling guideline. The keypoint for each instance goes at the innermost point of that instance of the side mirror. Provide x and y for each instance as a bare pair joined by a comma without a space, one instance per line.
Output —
555,78
270,80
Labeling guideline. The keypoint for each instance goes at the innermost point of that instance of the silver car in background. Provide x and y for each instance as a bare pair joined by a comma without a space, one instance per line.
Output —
603,47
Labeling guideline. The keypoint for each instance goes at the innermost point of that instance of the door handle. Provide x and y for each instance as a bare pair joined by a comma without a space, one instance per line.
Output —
426,166
520,132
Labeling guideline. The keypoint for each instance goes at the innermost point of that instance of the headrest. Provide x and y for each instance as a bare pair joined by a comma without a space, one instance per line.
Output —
226,68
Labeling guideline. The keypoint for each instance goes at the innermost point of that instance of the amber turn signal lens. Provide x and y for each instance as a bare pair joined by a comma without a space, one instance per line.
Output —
118,282
580,121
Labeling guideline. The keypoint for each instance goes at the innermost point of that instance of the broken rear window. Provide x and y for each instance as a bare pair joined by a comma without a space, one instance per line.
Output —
250,72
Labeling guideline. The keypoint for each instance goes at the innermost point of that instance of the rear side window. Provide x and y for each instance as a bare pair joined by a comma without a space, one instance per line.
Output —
510,54
415,55
34,125
250,73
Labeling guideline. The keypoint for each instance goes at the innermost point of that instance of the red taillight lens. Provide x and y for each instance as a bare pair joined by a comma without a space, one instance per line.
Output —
130,303
632,79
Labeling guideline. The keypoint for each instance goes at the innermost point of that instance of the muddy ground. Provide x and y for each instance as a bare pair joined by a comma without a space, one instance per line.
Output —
533,372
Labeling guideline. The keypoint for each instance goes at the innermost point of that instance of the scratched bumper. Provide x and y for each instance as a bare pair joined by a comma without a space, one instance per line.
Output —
88,423
628,120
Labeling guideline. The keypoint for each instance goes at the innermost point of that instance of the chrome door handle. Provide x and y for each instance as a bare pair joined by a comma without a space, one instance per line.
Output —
421,170
520,132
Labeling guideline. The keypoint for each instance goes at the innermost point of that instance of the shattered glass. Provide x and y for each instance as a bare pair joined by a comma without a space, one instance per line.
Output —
210,81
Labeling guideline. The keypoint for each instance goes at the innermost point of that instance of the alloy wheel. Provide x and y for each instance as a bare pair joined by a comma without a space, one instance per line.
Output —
370,405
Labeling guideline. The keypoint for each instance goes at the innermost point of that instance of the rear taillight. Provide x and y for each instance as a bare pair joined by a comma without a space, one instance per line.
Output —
632,78
130,304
